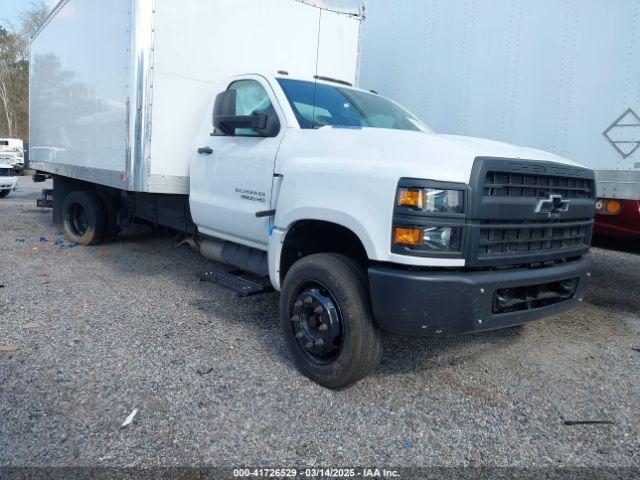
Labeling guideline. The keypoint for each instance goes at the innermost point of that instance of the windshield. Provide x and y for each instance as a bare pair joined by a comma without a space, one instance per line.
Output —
317,105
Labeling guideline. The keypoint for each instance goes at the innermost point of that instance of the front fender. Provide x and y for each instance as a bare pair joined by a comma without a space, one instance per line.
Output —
278,234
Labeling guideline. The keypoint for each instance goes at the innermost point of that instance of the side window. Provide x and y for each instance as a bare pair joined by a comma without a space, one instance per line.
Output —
251,97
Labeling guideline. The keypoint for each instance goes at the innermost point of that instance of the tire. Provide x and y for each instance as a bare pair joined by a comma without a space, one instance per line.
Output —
337,285
4,193
84,218
111,208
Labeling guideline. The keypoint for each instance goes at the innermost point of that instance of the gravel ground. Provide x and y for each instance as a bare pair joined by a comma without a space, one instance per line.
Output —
104,330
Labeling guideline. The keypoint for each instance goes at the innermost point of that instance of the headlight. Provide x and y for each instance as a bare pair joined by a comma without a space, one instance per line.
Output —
429,218
431,200
429,238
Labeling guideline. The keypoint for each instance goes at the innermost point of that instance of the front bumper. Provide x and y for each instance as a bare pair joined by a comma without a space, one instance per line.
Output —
452,303
8,183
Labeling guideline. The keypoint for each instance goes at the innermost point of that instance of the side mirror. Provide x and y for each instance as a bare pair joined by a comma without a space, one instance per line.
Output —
226,120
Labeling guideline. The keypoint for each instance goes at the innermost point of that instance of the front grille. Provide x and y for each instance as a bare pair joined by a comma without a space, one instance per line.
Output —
6,172
513,238
508,184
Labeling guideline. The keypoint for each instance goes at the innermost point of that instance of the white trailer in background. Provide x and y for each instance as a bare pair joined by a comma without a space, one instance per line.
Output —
558,75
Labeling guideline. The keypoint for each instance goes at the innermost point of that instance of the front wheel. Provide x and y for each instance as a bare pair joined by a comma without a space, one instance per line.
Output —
4,193
327,320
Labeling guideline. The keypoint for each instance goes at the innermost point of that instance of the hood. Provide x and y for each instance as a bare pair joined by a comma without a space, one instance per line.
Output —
397,153
5,165
503,149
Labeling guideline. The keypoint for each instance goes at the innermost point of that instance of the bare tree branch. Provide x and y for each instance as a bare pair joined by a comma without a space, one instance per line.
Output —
14,70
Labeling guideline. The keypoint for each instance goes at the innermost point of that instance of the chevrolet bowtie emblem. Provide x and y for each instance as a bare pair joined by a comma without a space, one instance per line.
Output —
553,205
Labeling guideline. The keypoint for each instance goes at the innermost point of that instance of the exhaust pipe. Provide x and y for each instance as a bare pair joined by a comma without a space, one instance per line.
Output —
213,250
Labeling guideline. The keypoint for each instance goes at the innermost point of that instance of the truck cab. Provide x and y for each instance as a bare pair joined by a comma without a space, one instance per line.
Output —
442,234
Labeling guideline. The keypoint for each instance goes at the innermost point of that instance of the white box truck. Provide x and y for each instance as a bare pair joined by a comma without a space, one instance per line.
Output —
559,75
236,124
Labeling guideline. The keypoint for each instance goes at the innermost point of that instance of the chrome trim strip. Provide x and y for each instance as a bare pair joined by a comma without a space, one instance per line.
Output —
141,85
110,178
53,13
167,184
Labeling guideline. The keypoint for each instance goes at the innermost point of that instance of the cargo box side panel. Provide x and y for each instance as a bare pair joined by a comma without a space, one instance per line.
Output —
339,46
197,46
79,91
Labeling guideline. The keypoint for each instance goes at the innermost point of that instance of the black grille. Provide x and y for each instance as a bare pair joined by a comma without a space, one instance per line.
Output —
500,239
507,184
6,172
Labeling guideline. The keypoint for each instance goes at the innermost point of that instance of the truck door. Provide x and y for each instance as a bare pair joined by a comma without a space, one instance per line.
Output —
232,176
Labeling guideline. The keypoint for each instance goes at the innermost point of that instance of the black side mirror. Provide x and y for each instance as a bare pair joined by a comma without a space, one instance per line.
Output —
226,120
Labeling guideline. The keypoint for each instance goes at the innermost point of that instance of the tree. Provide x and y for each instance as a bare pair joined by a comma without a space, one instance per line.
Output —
31,19
11,77
14,70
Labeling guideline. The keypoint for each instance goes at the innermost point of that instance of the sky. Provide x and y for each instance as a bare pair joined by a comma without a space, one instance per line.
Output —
10,8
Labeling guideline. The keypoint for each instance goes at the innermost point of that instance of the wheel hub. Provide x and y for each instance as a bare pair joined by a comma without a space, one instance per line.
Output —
317,323
79,222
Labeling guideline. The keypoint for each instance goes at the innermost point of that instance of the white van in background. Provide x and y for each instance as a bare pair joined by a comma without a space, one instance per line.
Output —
8,181
12,152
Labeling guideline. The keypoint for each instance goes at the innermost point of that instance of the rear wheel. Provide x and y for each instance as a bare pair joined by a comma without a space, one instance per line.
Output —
4,193
84,218
327,321
111,205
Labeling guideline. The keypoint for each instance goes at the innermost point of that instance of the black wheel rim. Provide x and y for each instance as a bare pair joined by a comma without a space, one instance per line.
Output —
317,323
77,220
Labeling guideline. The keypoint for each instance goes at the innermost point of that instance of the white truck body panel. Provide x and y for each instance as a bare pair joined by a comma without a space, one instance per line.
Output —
551,74
80,83
132,79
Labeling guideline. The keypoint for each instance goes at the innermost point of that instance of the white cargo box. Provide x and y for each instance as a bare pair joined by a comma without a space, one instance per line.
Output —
119,88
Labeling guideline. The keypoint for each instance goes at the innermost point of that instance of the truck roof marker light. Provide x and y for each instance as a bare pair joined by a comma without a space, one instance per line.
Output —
408,236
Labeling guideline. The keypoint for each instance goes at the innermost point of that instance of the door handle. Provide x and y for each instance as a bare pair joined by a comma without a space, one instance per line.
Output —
205,151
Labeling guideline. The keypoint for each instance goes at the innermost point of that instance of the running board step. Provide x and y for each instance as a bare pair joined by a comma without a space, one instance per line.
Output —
234,282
